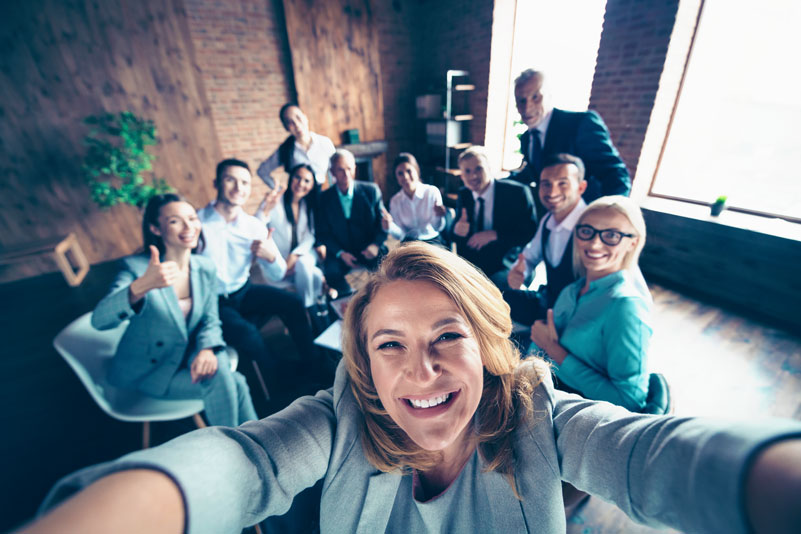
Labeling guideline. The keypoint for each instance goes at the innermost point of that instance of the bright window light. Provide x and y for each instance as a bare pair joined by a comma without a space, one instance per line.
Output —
735,129
560,38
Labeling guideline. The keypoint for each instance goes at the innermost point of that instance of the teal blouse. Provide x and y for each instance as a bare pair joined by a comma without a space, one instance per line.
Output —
606,333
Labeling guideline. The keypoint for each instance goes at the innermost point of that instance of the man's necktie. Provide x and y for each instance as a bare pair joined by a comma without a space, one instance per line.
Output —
480,218
535,157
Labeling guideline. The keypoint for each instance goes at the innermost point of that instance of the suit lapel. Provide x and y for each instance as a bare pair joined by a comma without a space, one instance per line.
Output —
196,289
358,207
551,133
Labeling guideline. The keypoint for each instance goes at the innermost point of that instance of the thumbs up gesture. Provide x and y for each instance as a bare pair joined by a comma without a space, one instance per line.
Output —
157,275
462,227
271,198
265,248
386,219
517,274
545,336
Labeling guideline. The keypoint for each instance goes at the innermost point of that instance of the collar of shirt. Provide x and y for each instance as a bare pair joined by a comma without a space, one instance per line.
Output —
488,194
348,194
569,222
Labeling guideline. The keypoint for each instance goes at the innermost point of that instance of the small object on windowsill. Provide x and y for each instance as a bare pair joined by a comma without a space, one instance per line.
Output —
718,206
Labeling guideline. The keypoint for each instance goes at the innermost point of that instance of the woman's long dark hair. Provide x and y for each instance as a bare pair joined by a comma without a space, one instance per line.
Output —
310,198
151,217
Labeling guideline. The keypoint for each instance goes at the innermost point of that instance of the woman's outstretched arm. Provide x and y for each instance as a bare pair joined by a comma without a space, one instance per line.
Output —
773,489
138,500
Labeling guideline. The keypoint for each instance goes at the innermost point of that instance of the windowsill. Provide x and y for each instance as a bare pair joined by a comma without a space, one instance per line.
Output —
744,221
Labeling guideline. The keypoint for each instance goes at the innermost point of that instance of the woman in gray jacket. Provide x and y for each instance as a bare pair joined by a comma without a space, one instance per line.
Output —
173,345
434,425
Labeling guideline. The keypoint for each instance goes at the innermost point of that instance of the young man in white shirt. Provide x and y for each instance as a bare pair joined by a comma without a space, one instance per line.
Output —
234,240
560,188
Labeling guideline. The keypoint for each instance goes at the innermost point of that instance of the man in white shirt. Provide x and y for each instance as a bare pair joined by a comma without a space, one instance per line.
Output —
561,186
234,240
302,146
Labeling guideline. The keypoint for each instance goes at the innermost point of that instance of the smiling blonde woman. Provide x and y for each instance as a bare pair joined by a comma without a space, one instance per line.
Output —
433,424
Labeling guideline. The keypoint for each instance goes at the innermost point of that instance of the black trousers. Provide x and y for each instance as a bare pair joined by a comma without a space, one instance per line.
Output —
243,313
335,269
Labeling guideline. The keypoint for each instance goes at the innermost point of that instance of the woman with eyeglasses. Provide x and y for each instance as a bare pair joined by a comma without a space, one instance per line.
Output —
598,331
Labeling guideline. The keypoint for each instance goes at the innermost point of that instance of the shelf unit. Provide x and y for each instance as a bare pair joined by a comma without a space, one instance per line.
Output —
447,132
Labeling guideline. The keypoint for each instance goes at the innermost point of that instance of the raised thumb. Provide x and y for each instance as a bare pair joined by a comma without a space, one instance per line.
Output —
154,255
270,233
464,213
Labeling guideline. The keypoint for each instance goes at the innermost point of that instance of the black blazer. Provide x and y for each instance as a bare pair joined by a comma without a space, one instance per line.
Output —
513,219
355,234
585,135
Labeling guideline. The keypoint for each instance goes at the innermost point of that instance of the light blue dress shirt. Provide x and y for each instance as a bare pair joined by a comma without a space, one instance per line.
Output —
606,333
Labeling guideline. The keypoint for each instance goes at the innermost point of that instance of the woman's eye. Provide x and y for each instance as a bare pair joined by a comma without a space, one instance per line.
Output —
449,336
389,345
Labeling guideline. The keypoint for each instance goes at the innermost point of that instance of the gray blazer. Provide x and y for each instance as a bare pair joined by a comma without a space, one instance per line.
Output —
686,473
159,340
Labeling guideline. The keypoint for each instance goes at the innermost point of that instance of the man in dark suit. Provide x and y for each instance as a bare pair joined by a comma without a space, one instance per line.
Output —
348,223
552,130
496,217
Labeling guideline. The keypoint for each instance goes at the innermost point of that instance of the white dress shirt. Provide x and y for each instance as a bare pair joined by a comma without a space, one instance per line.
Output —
318,155
557,240
228,245
414,217
489,201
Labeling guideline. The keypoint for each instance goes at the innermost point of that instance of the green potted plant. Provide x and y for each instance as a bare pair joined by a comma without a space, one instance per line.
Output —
117,158
719,205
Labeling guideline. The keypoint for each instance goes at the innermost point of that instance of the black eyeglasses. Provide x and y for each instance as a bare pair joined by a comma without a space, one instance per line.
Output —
610,237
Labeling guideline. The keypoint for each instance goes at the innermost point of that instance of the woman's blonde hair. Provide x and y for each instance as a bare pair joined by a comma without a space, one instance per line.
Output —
508,384
632,212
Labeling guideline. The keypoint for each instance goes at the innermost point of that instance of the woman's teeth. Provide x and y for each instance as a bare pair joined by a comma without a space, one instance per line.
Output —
430,403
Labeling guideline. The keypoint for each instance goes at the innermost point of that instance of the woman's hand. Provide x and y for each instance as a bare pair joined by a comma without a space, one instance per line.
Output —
544,335
291,260
204,365
271,198
386,219
156,276
321,251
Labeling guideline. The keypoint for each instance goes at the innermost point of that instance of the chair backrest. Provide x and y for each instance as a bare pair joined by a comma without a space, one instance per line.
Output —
88,352
658,400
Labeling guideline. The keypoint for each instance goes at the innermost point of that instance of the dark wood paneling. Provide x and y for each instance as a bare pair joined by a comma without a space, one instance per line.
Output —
335,59
64,60
750,270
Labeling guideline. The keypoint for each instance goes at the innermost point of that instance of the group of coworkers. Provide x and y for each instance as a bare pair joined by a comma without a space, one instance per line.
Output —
435,421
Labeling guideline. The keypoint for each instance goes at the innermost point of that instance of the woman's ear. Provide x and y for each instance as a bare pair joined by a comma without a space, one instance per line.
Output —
155,229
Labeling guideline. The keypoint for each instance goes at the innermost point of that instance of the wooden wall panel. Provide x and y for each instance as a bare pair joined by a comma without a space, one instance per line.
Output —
335,59
64,60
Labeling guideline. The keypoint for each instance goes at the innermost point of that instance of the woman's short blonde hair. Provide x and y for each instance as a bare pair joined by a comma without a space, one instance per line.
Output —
633,213
507,390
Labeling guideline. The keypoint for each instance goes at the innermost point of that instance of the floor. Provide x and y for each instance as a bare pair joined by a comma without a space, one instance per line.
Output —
717,363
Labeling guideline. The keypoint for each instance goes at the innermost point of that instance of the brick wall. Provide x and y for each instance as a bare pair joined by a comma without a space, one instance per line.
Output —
242,52
631,55
458,35
400,54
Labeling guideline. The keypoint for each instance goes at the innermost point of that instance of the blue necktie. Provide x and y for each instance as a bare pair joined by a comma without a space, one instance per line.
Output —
480,221
535,156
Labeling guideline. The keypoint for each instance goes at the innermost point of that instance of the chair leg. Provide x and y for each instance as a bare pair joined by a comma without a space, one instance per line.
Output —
146,435
261,381
199,422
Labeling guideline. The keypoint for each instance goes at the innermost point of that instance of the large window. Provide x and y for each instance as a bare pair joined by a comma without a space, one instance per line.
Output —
561,38
736,126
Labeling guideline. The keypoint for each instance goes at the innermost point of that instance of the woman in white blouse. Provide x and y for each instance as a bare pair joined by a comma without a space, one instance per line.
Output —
292,226
416,211
302,146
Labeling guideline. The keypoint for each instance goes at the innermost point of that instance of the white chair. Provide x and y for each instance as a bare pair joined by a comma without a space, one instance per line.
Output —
88,351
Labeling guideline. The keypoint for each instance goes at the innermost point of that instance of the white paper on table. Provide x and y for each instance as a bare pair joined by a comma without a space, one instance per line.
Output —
331,338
